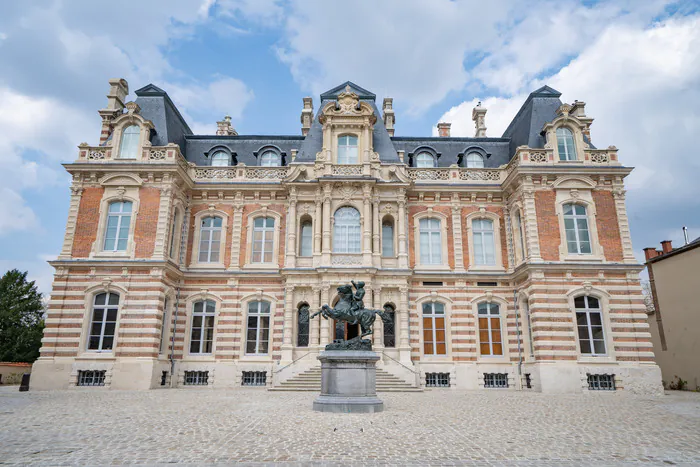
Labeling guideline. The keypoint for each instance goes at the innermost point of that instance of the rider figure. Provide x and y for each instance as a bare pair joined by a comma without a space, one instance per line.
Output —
357,303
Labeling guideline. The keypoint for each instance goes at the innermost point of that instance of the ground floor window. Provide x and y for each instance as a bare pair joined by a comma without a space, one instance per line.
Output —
495,380
196,378
437,380
91,378
254,378
303,326
257,337
601,382
389,320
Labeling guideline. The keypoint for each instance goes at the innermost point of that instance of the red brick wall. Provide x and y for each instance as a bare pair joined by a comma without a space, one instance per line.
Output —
547,225
86,222
608,227
146,222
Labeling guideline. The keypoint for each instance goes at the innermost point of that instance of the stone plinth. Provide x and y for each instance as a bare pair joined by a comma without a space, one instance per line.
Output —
348,382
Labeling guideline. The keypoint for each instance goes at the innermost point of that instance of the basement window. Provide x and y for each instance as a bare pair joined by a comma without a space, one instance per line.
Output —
601,382
487,284
254,378
91,378
437,380
496,380
432,284
196,378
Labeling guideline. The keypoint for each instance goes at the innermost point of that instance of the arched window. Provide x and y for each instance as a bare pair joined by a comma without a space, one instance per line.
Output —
425,159
589,321
347,149
484,246
520,234
490,339
434,342
129,145
220,159
173,253
346,230
202,333
565,143
306,239
388,238
578,239
430,241
303,325
103,322
263,239
210,239
118,223
270,159
389,321
475,160
258,329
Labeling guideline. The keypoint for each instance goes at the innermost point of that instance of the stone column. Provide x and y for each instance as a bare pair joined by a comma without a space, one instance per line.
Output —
401,225
325,323
532,239
376,232
164,222
403,334
326,248
318,221
236,235
287,347
291,250
75,196
366,227
378,324
457,234
623,222
314,323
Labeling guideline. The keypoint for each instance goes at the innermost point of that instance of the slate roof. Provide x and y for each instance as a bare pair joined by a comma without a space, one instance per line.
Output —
525,129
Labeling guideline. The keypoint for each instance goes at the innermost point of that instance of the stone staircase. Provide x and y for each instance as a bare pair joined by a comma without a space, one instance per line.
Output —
310,380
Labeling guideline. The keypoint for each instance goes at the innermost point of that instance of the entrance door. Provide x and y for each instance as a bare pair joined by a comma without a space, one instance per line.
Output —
344,330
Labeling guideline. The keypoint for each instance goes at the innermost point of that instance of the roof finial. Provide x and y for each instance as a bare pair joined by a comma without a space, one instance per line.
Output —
347,88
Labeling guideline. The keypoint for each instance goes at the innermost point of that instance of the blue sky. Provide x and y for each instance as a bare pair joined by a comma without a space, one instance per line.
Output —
635,63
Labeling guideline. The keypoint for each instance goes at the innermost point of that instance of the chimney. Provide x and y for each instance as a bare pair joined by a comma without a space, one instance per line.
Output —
307,115
666,246
118,90
389,117
650,253
224,127
578,109
479,115
444,129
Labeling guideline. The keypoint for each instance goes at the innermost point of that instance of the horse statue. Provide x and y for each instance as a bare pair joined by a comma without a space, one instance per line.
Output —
350,308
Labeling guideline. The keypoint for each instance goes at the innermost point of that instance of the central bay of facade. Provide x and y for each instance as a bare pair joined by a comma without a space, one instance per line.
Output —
496,262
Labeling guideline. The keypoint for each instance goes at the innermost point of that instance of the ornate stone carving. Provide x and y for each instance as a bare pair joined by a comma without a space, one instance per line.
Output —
346,260
479,174
347,170
429,174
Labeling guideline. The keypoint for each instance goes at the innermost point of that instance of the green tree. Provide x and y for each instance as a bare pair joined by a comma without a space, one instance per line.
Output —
21,318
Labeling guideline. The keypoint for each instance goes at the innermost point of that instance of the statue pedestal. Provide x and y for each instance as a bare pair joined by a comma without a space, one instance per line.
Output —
348,382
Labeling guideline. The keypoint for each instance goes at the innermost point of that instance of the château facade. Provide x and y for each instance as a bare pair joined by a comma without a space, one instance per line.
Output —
197,259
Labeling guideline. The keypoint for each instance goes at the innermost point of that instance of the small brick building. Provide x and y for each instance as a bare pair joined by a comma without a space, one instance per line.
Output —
500,262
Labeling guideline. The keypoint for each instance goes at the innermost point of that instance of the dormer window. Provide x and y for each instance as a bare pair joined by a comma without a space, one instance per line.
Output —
270,159
129,145
565,144
347,149
425,159
475,160
220,159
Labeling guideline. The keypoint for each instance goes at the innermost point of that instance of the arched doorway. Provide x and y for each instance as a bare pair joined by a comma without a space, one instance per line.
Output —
341,330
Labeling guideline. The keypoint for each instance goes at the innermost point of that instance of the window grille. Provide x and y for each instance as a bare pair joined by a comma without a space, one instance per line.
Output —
196,378
437,380
528,381
601,382
254,378
495,380
91,378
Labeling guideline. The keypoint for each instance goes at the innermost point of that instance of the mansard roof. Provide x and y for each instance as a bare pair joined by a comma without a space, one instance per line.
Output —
362,93
156,106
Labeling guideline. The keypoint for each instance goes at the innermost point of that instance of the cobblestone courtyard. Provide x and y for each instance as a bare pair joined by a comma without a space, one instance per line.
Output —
442,427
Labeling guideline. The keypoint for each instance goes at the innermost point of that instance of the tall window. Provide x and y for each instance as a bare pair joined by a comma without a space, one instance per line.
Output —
475,160
425,159
519,232
202,336
173,234
346,230
565,143
270,159
258,335
164,326
263,231
578,240
347,150
484,247
306,239
490,340
389,320
589,321
303,326
434,342
430,241
388,238
104,321
210,240
118,223
129,146
219,159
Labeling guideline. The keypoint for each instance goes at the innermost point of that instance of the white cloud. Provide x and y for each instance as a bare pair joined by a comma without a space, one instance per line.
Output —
500,112
14,212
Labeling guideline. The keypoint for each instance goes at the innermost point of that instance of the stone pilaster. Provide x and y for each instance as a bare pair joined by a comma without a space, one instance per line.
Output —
403,334
318,221
288,324
367,227
236,235
164,225
325,323
457,235
314,324
532,239
376,233
401,226
291,250
75,196
378,324
623,223
326,246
